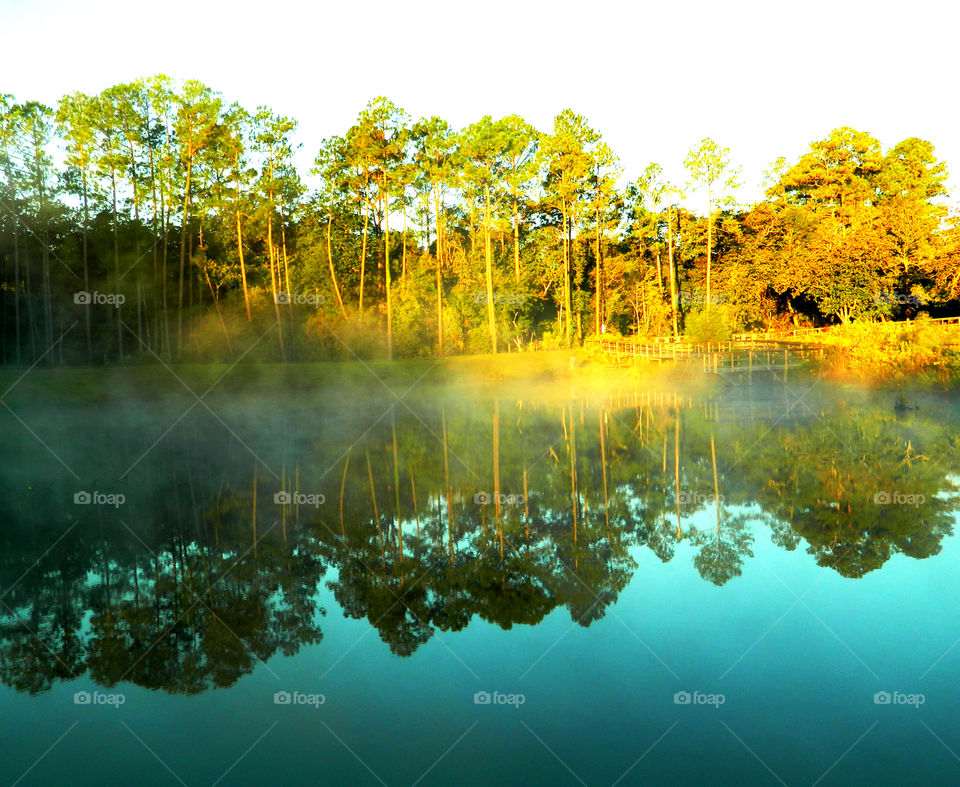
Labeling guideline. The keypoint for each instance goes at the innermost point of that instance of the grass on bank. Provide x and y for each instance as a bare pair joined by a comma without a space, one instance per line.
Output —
918,351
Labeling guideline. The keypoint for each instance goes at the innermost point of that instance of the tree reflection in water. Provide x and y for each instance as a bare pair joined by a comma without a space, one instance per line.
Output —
503,510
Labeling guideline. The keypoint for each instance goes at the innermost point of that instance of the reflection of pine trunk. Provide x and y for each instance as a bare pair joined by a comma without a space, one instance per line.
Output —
526,508
716,487
396,488
446,481
676,467
603,465
283,508
343,483
376,512
16,281
253,513
572,450
496,472
296,485
413,494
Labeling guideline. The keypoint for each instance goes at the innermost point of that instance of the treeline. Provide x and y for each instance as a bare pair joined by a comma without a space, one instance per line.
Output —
156,220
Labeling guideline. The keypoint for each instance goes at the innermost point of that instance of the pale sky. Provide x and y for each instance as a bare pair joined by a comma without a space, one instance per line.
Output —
763,79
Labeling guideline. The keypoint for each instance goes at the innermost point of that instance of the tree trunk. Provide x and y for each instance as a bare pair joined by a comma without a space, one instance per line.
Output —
491,313
333,273
183,257
386,266
116,264
86,264
363,248
709,243
436,198
673,275
568,301
516,242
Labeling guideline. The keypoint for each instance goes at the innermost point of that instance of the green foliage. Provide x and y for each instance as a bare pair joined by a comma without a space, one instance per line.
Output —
708,325
191,211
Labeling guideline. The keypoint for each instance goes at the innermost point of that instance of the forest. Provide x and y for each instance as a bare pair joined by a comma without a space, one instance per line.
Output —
155,221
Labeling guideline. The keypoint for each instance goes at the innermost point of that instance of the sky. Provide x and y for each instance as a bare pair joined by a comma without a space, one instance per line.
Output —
763,79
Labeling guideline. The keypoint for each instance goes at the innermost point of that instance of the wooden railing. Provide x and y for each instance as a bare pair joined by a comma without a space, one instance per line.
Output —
662,348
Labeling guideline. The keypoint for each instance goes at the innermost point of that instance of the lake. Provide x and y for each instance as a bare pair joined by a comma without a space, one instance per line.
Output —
659,584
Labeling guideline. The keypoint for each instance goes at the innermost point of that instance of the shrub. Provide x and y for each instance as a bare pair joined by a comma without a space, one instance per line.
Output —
707,326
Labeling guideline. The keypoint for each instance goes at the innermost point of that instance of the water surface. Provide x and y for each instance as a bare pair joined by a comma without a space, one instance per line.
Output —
731,584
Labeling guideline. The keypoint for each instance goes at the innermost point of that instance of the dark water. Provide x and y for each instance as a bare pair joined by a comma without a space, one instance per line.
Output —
747,585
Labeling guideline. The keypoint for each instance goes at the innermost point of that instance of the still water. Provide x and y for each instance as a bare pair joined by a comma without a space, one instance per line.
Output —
736,585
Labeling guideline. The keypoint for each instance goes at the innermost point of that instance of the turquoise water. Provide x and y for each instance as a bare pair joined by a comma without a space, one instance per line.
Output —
609,588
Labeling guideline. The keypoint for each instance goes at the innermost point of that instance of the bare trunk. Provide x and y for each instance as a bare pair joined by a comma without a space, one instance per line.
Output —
491,314
183,259
333,273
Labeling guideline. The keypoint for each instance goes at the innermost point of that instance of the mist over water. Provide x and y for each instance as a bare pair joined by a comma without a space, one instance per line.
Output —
723,572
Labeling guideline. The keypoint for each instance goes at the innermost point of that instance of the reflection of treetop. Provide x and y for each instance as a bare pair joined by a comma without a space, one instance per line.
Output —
203,575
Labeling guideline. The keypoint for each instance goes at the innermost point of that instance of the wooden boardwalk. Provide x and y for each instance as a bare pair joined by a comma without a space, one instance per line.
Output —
727,358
